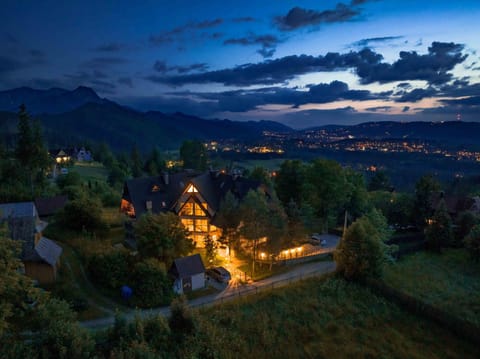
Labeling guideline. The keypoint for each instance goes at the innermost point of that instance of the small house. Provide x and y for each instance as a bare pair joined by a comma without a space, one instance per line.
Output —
40,255
188,274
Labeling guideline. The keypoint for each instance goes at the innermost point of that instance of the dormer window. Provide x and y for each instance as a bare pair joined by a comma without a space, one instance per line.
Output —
155,188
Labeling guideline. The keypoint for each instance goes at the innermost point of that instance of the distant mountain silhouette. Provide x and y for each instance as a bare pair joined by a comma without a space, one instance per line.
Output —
72,117
54,100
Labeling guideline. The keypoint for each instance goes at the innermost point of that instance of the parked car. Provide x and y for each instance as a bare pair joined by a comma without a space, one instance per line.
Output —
220,274
317,239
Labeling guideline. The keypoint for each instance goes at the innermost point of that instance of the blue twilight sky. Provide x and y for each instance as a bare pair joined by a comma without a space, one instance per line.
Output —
303,63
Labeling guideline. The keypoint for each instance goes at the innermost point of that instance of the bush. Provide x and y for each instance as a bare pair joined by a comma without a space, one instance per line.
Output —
361,253
83,214
151,284
110,269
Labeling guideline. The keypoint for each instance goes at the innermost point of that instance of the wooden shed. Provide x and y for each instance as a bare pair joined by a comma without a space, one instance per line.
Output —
188,273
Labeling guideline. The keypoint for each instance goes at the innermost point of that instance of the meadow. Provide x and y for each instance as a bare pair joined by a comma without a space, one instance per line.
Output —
449,281
320,318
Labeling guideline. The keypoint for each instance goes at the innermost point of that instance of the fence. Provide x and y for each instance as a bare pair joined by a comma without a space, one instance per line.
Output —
257,288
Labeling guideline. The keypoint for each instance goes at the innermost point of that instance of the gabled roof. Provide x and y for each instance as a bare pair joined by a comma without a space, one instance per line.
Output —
162,191
187,266
18,210
212,186
46,250
48,206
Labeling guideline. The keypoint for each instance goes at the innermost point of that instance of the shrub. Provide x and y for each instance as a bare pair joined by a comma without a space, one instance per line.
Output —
151,284
110,269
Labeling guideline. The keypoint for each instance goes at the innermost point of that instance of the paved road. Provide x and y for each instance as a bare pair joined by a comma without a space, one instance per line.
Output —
230,292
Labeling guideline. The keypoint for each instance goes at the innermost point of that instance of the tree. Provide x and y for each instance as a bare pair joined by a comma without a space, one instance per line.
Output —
260,174
194,155
439,232
136,160
162,236
289,182
424,189
154,163
59,335
210,249
465,222
151,285
83,214
255,220
262,218
228,219
472,243
360,254
17,293
379,182
31,153
181,321
325,190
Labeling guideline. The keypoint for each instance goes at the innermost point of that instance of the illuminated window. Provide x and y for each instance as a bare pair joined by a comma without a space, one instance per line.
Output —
191,189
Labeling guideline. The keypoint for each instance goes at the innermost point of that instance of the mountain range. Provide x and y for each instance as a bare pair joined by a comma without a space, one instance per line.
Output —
78,116
70,118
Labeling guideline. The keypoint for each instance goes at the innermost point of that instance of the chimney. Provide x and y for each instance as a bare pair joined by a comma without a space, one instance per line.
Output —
165,178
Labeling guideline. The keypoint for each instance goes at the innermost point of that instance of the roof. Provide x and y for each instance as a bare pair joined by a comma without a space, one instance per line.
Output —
46,250
187,266
162,191
48,206
17,210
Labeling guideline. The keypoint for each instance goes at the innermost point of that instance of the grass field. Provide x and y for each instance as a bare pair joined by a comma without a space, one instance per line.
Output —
322,319
91,171
450,281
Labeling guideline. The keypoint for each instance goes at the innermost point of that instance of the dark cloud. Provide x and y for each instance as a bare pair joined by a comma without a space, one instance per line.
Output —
464,102
244,19
8,64
267,42
99,74
110,47
127,81
162,67
243,100
176,33
416,95
406,108
298,17
432,67
104,62
375,40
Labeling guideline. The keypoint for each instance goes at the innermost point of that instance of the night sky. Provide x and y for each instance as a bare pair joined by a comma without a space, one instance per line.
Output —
302,63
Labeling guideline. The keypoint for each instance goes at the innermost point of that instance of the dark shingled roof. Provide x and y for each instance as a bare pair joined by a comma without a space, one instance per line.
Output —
17,210
162,191
187,266
47,251
212,186
48,206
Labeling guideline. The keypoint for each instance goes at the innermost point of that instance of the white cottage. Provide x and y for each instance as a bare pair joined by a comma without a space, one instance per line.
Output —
188,273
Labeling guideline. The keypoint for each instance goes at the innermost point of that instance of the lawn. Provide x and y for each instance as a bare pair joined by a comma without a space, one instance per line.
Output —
321,318
91,171
449,281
